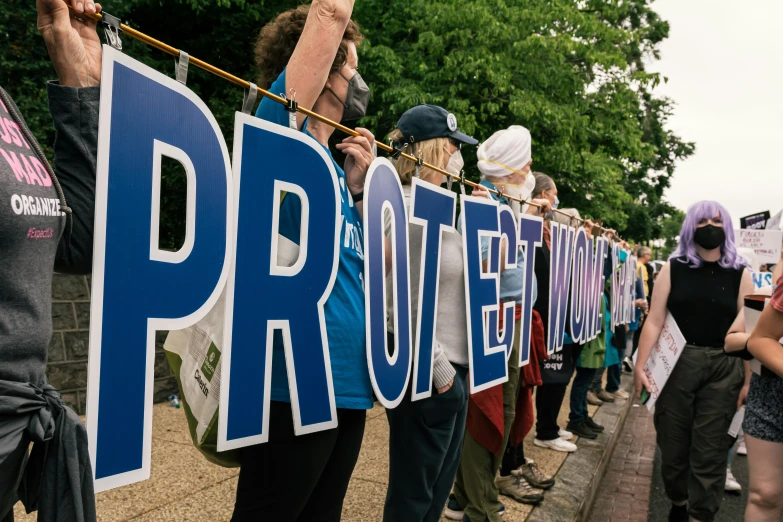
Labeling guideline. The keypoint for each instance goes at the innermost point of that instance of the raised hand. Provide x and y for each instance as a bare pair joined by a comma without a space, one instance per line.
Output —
70,37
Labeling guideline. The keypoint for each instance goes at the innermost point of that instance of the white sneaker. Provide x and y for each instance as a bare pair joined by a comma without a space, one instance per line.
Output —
556,445
731,482
620,394
565,435
741,449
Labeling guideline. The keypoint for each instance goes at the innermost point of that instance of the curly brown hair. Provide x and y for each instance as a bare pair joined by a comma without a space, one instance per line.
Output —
278,39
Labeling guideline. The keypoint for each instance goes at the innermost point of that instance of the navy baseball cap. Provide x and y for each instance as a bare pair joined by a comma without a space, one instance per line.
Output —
426,122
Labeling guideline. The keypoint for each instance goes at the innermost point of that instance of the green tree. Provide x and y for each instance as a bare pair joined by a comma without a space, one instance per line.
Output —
572,72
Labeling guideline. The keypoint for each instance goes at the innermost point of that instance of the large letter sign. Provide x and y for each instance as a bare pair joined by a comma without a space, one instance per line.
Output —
509,237
138,288
531,231
559,279
264,299
580,286
389,374
432,208
487,363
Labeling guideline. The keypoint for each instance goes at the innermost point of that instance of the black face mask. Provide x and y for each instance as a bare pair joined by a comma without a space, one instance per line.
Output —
709,237
356,98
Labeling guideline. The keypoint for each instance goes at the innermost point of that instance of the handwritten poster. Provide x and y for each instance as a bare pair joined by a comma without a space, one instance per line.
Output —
765,243
663,358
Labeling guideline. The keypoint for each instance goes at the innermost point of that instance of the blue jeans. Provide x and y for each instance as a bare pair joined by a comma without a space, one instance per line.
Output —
579,389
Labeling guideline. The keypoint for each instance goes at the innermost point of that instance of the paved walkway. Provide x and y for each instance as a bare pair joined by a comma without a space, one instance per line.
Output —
624,492
632,489
184,486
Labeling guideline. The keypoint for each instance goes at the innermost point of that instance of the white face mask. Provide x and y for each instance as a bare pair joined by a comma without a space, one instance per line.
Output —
456,163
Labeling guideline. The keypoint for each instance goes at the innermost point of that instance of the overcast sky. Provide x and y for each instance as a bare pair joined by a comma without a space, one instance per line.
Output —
724,62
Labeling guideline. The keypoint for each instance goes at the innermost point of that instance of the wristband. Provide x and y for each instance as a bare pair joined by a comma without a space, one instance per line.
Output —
358,197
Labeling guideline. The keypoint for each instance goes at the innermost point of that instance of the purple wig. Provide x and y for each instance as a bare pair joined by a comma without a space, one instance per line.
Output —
686,250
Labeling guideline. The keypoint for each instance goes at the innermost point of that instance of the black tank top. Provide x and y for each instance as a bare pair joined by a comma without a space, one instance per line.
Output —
703,301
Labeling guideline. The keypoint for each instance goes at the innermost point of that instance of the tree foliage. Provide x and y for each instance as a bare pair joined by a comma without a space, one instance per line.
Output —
573,72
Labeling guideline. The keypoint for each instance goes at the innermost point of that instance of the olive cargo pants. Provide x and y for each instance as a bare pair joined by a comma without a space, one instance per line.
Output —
692,418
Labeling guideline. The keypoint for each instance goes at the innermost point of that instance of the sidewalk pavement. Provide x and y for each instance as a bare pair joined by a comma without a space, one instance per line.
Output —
624,492
184,486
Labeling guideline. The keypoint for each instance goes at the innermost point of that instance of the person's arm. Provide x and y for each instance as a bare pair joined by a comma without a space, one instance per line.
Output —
652,328
778,272
764,342
737,337
309,66
75,51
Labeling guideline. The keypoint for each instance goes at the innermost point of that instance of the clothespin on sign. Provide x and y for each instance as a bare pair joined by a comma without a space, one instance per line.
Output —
182,67
249,101
419,164
291,107
111,30
462,182
398,149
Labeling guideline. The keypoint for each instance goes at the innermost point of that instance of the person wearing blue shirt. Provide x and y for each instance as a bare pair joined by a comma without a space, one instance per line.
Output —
311,51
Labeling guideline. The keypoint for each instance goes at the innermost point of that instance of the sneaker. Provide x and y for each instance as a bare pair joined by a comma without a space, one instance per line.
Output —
565,435
679,513
582,430
628,365
516,487
731,482
453,510
500,512
534,476
741,449
556,445
593,399
620,394
606,396
593,425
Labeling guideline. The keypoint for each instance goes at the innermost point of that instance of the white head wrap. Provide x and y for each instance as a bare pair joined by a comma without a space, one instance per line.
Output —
505,152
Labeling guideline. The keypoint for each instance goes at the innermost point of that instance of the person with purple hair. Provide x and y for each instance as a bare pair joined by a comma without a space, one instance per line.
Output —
703,286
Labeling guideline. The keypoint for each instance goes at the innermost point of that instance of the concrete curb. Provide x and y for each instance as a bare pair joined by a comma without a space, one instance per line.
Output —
578,479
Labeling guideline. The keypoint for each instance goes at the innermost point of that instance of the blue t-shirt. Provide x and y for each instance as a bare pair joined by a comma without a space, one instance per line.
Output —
344,310
511,279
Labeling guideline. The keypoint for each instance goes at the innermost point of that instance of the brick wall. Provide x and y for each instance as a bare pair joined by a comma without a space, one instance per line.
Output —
69,347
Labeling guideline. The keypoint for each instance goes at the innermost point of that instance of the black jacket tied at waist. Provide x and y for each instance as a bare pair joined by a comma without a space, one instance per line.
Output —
56,478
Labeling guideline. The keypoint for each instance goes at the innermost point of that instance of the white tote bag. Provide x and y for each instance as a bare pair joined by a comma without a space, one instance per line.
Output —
194,355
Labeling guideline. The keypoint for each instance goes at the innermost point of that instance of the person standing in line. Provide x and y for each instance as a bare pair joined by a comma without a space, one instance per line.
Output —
425,436
34,244
763,424
592,357
312,51
643,271
504,161
703,287
550,395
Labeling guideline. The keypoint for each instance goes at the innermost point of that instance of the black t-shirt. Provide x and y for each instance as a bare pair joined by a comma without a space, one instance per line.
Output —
703,301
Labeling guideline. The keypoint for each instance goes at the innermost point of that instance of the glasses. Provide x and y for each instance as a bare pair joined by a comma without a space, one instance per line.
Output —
456,143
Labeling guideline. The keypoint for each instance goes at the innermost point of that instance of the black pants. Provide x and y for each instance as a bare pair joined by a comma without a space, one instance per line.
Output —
298,478
425,446
549,400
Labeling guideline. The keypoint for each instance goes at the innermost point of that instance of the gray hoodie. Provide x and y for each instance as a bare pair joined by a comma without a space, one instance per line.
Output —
46,222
